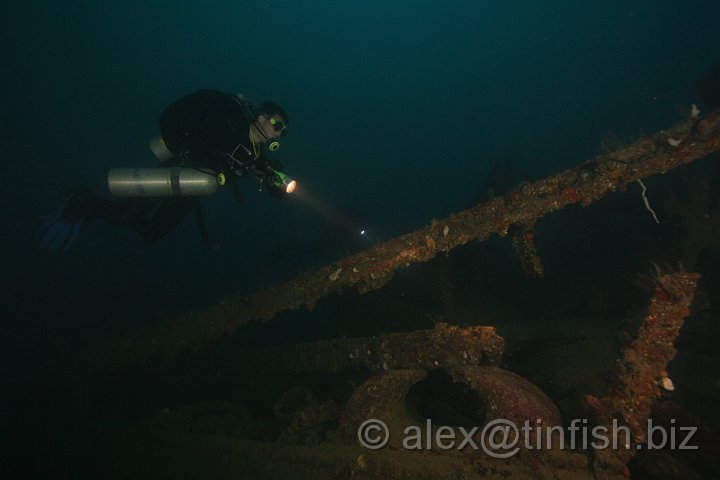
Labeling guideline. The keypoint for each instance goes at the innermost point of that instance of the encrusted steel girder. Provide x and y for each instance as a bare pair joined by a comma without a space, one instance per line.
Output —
444,346
642,370
371,269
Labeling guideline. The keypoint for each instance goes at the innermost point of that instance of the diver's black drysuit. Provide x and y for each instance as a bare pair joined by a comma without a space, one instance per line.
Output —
208,130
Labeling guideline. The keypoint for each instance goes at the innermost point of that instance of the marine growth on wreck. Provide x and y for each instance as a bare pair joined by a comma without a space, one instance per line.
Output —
380,376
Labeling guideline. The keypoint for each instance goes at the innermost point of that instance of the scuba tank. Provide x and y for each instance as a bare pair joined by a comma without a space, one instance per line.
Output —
163,182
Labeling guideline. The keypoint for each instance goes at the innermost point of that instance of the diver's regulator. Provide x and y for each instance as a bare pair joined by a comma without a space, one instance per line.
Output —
181,181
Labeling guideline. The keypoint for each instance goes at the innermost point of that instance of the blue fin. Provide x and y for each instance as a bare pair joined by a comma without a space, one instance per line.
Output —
58,234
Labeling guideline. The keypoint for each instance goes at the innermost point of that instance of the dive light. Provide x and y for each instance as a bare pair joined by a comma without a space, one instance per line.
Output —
283,181
163,182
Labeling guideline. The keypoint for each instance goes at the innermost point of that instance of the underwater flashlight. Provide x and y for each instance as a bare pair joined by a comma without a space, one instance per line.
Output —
275,178
284,181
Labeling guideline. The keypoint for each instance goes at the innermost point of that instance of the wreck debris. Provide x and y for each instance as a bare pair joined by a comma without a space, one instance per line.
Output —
523,241
642,367
706,124
381,397
144,453
373,268
509,396
501,394
444,344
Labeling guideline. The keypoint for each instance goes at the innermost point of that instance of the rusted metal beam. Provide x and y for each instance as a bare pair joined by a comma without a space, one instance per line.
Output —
373,268
641,371
444,346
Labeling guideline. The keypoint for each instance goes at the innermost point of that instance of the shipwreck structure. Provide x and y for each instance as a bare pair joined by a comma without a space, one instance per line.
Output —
320,440
326,440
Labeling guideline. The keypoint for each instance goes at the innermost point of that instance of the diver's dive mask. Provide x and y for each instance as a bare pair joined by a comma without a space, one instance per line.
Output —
280,130
279,126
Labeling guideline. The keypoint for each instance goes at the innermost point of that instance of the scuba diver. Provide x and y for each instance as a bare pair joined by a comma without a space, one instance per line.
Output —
207,139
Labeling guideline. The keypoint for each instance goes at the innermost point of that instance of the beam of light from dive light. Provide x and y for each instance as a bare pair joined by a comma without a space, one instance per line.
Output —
302,194
333,215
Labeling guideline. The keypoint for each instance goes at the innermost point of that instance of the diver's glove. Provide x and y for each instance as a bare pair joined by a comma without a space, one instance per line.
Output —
63,226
